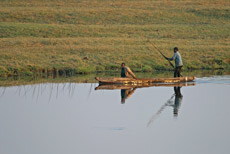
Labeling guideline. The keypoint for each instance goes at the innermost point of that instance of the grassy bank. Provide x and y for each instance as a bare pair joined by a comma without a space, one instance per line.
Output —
69,37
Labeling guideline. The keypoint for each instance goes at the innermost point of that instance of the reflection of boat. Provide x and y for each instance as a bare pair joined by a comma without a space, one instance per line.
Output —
128,89
112,80
129,86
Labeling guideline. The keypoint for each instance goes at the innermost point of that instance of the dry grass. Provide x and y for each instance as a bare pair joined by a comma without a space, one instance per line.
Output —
38,36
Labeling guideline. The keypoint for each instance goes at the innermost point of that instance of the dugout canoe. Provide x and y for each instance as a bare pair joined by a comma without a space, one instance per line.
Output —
113,80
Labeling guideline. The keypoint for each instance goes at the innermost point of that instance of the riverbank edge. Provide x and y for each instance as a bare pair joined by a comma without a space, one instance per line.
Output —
32,71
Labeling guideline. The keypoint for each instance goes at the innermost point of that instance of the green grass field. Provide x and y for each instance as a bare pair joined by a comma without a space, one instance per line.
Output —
39,36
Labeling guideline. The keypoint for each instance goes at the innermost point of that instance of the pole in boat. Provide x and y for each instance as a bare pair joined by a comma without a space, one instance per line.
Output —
164,56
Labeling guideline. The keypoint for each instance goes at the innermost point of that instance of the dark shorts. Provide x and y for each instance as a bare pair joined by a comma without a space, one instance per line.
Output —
177,71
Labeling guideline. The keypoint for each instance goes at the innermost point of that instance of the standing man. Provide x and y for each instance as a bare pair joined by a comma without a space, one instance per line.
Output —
178,62
126,72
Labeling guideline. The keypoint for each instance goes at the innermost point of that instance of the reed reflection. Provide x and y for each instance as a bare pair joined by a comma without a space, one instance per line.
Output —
42,91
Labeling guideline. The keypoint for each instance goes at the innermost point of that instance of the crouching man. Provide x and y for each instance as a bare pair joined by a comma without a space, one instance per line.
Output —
126,72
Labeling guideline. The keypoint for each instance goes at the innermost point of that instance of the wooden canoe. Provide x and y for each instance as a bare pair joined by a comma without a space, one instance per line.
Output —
112,80
130,86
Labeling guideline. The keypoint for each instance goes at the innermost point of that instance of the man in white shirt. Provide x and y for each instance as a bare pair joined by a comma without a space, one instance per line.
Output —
178,62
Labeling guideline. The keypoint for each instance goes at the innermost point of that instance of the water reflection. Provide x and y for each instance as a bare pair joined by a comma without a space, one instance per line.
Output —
71,118
177,101
174,101
126,93
43,92
128,90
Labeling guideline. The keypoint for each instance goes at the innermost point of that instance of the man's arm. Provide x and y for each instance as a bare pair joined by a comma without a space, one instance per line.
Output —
131,73
173,57
131,92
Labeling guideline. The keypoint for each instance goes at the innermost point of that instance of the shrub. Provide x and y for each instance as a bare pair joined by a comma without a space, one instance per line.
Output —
85,70
147,68
100,68
3,71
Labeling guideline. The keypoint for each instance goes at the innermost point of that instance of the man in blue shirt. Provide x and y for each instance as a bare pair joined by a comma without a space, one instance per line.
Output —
178,62
126,72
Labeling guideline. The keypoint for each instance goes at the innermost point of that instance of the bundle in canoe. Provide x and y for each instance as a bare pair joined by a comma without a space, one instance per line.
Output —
112,80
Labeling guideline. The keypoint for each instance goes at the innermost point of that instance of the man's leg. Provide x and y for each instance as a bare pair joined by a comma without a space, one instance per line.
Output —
178,71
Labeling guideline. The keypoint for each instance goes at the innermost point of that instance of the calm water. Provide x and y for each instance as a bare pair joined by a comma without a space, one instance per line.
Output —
74,118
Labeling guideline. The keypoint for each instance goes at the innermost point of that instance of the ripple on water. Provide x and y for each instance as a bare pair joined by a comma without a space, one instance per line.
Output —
214,79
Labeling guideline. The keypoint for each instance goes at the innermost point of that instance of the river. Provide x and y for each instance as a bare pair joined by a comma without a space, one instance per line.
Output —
82,118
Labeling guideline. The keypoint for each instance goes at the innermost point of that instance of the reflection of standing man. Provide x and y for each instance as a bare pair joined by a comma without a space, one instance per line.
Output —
126,93
175,104
178,100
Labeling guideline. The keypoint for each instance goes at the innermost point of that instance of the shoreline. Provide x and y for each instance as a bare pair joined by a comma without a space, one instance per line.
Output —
72,72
